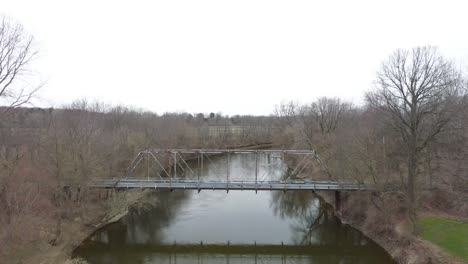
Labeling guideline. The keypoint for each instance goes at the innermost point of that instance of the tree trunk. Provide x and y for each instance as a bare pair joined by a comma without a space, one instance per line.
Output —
412,171
411,176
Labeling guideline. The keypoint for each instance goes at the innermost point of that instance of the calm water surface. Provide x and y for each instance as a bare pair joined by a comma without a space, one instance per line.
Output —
235,227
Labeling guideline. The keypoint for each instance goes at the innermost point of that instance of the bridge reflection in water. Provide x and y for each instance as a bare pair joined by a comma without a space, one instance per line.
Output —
236,227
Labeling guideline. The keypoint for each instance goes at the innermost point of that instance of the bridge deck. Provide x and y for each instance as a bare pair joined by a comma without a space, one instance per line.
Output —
232,185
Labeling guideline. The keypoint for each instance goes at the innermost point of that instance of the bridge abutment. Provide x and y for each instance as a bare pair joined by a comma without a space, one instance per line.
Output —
337,201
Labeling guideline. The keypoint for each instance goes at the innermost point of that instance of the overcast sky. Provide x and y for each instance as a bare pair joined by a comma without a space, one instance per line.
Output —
234,57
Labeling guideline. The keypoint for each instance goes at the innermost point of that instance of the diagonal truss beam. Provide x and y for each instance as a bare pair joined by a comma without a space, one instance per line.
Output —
171,161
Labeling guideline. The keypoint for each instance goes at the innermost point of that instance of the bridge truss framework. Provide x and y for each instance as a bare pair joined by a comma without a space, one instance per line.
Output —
164,166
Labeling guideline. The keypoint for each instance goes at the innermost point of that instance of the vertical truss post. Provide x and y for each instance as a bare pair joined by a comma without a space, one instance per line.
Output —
256,166
175,165
201,163
228,165
147,165
198,166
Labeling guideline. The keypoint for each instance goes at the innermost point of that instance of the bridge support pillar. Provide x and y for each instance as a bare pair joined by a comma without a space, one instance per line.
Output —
337,201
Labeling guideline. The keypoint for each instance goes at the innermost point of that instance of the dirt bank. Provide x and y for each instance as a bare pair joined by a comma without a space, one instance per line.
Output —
74,232
383,220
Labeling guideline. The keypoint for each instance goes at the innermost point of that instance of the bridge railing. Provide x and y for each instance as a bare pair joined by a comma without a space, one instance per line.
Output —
235,185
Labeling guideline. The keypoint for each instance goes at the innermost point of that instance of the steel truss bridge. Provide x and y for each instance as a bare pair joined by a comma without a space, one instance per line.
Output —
170,169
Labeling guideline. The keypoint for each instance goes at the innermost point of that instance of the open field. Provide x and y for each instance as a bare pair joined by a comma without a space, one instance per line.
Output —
451,235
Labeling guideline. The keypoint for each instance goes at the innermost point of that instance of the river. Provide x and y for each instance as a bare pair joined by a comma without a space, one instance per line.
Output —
232,227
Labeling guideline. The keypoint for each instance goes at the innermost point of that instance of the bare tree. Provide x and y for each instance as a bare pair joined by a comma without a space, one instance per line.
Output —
16,54
287,112
327,113
419,91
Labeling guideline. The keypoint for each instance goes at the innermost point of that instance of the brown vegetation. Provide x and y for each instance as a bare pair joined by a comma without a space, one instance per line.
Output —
49,156
408,141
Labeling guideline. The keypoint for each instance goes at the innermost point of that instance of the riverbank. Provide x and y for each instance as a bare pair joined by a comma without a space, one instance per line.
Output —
388,227
75,231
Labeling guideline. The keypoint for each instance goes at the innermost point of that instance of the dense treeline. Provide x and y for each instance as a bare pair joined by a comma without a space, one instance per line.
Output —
362,148
44,150
409,140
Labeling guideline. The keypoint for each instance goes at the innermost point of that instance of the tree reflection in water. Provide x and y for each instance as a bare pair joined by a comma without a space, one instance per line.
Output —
314,221
143,225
